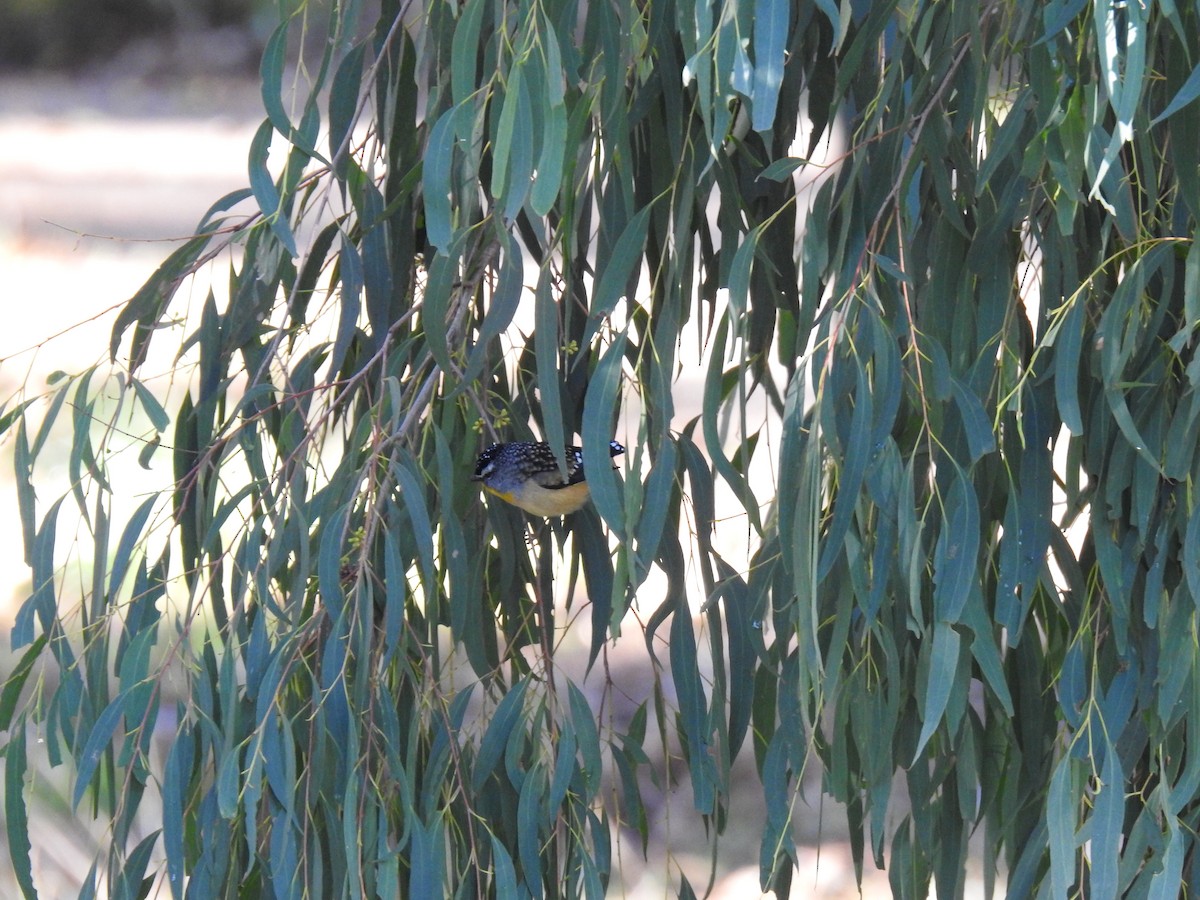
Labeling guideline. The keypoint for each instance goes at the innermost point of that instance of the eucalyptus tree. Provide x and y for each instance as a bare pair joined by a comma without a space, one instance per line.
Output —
938,263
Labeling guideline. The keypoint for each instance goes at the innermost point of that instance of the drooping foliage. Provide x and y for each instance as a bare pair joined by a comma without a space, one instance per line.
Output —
939,262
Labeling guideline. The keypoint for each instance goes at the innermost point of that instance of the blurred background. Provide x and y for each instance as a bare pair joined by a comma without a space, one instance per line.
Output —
121,121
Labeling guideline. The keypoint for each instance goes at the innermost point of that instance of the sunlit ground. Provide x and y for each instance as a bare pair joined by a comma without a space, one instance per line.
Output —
95,178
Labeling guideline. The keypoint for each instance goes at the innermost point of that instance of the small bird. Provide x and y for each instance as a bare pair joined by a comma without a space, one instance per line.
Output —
526,474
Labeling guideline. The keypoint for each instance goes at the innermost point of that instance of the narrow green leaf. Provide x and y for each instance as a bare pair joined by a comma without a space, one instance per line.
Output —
546,342
693,708
413,502
954,556
504,872
129,540
943,664
427,857
976,424
491,749
1191,557
782,168
600,410
1106,825
513,147
343,104
351,268
857,450
564,770
1187,92
739,276
14,683
270,71
98,743
1167,883
153,409
1068,345
551,157
464,50
176,778
771,33
16,815
438,165
614,273
588,736
1060,823
146,306
23,476
529,841
265,192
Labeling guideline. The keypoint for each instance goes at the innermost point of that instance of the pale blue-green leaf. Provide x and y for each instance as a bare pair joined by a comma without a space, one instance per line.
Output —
985,650
229,779
343,104
129,883
600,409
1121,44
656,503
857,451
739,277
1068,344
954,556
556,78
564,769
943,666
438,164
23,476
529,840
16,815
588,739
782,168
771,22
427,858
512,145
42,600
614,273
464,51
270,71
412,499
1187,92
176,780
1057,15
505,873
1167,883
1191,556
976,424
1003,144
230,200
351,269
1060,827
693,705
98,741
263,187
129,540
546,342
150,405
1191,283
834,15
14,682
549,170
1106,824
495,739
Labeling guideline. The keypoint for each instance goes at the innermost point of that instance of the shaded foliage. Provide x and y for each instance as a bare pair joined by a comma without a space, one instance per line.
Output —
975,570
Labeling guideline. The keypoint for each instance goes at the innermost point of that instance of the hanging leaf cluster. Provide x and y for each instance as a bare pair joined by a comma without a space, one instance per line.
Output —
938,262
